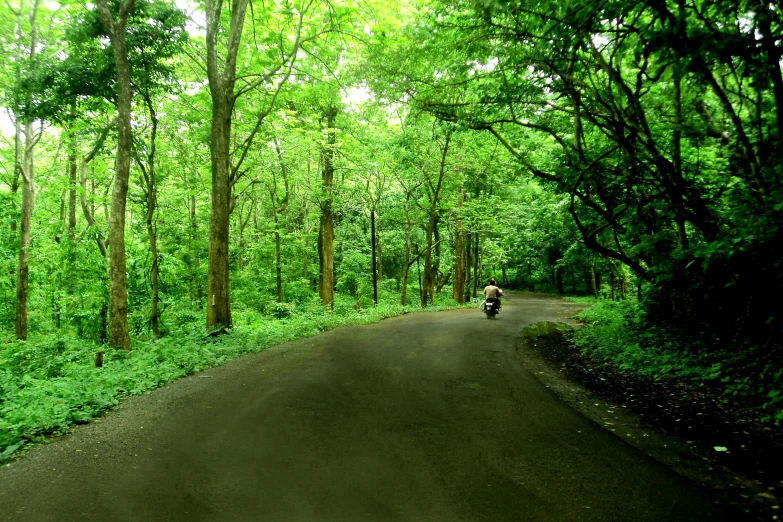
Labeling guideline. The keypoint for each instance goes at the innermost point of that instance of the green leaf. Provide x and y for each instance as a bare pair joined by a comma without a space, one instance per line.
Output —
10,450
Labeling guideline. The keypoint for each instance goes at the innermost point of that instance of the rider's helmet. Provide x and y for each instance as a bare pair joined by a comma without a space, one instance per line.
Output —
493,282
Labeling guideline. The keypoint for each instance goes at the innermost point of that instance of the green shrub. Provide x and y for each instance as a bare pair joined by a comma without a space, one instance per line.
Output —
620,334
280,310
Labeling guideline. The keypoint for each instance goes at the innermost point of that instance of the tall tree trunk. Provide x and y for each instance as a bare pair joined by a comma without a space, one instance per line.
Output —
407,265
221,74
218,303
326,255
468,266
18,154
72,181
434,189
405,272
278,258
152,206
155,297
305,248
591,286
326,231
435,264
221,88
476,264
18,143
28,196
379,248
374,264
118,305
62,213
197,293
28,202
278,207
458,286
418,271
149,186
677,133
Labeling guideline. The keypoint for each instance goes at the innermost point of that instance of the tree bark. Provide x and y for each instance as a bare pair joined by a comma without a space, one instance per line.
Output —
468,266
326,231
434,288
18,143
62,213
18,155
28,198
379,248
374,267
407,265
197,293
429,279
221,74
277,208
458,287
118,306
677,132
476,264
591,286
154,279
28,202
305,248
221,88
72,181
150,189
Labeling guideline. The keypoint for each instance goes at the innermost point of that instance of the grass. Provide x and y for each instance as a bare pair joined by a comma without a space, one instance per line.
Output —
50,383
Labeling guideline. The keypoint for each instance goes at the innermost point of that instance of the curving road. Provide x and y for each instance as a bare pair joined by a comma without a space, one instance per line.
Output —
426,417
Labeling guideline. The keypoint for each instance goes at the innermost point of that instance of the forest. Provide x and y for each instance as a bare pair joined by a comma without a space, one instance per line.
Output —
182,182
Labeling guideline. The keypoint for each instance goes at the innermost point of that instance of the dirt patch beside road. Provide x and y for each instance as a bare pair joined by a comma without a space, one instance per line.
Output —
676,422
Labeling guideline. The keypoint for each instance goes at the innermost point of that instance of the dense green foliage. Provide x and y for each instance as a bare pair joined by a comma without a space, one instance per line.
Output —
655,123
619,334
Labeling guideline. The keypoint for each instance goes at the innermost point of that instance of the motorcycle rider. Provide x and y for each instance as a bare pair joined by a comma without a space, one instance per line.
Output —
493,293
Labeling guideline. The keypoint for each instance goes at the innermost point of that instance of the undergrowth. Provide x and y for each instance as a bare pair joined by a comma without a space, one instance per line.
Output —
50,383
616,333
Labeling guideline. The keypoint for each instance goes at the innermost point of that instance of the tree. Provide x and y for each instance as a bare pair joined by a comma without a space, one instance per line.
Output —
28,178
434,186
326,228
227,166
279,206
153,44
643,114
118,305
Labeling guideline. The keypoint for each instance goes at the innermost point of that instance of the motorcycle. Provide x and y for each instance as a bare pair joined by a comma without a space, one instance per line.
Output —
490,307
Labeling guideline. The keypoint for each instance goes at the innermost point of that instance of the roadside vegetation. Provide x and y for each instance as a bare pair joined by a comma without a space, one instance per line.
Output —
617,333
50,383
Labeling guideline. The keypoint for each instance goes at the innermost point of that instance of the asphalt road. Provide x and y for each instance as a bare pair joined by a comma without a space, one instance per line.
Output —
426,417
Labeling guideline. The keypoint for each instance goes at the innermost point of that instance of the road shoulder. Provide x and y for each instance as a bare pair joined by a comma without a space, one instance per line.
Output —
674,452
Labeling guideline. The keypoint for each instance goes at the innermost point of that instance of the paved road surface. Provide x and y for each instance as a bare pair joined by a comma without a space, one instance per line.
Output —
426,417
